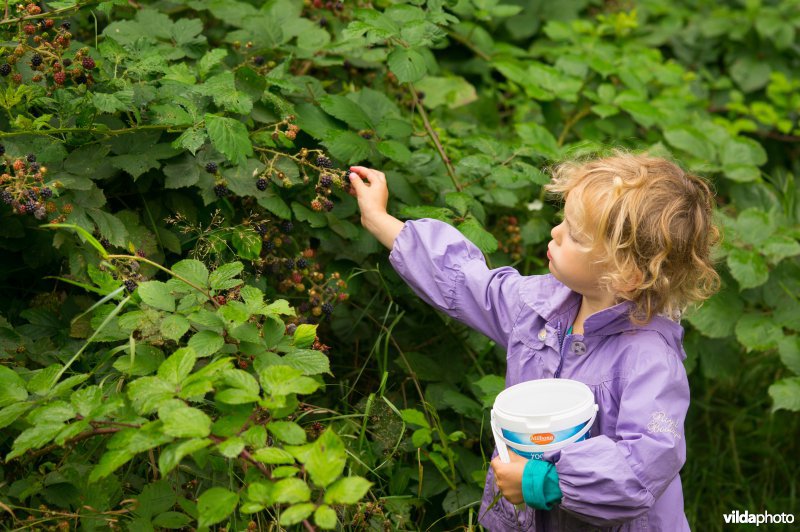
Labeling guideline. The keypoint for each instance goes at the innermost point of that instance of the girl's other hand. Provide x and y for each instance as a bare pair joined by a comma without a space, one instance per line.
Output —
508,477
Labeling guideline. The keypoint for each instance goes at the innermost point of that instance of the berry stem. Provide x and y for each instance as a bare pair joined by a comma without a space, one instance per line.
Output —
160,267
434,138
49,14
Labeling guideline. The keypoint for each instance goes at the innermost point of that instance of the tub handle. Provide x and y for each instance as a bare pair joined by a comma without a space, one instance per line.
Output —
539,448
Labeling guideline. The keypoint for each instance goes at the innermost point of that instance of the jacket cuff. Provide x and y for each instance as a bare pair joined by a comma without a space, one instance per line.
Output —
540,485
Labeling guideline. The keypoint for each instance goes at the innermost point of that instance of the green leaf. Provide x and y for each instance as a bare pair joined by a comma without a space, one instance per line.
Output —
284,380
193,271
287,431
178,366
219,278
421,437
12,412
172,520
785,394
758,331
717,316
214,505
540,139
347,111
247,243
692,141
325,517
173,327
407,64
474,231
231,447
291,490
325,459
147,394
394,150
230,137
748,268
273,455
452,91
304,335
34,438
347,490
789,350
296,513
414,417
172,454
155,498
742,151
43,380
157,295
347,146
309,361
183,421
206,343
12,387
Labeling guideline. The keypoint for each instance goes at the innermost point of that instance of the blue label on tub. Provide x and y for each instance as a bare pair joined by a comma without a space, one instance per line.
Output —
543,438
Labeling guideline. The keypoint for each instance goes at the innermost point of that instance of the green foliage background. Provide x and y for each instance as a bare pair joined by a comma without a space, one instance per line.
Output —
219,391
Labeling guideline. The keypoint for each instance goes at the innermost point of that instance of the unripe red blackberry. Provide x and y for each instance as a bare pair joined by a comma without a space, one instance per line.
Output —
261,184
30,29
48,23
5,69
88,63
211,167
59,78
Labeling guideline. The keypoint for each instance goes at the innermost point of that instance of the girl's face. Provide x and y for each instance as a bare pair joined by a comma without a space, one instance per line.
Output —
571,260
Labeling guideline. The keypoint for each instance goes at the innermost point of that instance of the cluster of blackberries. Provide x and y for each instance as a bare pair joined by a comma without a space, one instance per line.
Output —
324,162
510,237
221,190
22,182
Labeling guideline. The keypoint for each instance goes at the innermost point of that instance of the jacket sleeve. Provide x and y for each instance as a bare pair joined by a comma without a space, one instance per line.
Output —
449,272
609,481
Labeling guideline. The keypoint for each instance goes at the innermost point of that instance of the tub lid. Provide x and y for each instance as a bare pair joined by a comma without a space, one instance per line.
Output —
553,398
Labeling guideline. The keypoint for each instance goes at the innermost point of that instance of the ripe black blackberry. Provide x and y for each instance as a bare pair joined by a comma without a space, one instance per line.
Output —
287,226
31,158
288,264
130,285
67,62
7,198
302,263
259,60
80,80
324,162
105,243
36,60
261,184
328,204
2,150
211,167
327,308
5,69
221,190
35,167
46,193
326,180
261,229
268,246
66,25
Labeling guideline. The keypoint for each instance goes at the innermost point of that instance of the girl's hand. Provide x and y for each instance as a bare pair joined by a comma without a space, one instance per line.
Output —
370,189
508,477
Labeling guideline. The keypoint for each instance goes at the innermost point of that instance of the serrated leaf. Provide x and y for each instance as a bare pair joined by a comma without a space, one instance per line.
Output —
206,343
758,331
12,387
296,513
325,517
287,431
157,295
747,267
172,454
407,64
193,271
219,277
291,490
346,110
178,366
785,394
304,335
214,505
183,421
479,236
230,137
273,455
173,327
309,361
347,490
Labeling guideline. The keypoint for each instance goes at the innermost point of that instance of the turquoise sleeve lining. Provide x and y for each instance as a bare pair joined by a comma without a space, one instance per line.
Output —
540,485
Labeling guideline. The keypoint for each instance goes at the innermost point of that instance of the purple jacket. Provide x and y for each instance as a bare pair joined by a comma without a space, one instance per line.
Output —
625,477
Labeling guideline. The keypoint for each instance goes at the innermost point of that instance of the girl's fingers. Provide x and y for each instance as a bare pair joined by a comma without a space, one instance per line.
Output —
368,173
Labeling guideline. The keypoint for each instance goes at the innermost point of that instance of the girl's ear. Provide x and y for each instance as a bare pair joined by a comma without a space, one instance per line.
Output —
630,282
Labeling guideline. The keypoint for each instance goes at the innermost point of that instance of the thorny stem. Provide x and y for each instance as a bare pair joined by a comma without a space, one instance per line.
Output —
56,12
434,138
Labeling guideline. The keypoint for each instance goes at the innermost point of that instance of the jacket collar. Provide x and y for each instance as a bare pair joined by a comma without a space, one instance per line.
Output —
558,305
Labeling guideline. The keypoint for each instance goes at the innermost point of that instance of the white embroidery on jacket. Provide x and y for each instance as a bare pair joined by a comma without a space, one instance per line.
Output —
660,422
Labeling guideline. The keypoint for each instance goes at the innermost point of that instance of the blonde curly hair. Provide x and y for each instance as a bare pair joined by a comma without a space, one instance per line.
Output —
649,223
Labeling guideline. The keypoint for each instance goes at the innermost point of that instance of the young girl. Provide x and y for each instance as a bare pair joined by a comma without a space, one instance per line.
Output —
632,251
